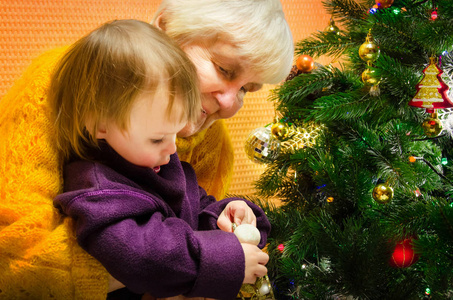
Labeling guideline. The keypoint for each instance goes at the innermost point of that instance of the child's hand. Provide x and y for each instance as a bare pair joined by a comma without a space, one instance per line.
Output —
236,212
255,261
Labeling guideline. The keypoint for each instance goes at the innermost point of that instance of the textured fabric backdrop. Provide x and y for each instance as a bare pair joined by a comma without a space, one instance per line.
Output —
30,27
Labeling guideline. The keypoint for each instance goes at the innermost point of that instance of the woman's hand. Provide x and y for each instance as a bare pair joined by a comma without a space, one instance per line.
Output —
237,212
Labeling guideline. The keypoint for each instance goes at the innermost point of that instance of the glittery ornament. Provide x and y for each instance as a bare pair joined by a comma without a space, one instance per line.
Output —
261,146
432,92
382,193
260,290
302,136
369,51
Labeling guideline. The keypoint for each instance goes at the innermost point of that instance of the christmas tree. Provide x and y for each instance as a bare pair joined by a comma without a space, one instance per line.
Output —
361,157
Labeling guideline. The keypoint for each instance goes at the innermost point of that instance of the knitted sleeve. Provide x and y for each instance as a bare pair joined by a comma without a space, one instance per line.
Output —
39,255
210,153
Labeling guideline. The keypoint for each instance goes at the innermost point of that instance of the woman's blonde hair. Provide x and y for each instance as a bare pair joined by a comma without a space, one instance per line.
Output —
258,29
101,75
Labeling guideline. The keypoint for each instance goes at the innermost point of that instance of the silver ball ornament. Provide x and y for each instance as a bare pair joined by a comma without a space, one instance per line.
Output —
261,146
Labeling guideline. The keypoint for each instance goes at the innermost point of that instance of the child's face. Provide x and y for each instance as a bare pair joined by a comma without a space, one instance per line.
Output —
150,138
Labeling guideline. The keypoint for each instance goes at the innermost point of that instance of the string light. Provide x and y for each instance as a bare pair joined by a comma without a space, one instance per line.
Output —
434,14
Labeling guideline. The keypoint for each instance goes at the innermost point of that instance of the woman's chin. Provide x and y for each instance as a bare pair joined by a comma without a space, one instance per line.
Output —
192,129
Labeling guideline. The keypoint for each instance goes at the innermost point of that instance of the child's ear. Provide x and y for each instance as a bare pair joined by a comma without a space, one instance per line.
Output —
98,131
160,22
101,131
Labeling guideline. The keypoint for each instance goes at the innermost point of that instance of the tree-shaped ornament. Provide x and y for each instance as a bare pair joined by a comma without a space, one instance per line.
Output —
432,90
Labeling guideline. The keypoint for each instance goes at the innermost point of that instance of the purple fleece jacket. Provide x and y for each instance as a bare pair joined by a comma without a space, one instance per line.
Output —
155,232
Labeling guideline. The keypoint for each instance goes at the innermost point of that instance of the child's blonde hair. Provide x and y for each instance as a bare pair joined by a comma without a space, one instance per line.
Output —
101,75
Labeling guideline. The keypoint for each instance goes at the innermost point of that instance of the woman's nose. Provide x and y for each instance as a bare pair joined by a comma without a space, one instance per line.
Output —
227,98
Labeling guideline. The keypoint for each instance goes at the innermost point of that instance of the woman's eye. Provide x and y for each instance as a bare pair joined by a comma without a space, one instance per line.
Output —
244,90
225,72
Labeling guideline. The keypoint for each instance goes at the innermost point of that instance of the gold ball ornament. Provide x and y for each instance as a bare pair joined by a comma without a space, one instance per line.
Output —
261,146
332,28
369,77
369,51
279,130
305,63
382,193
432,126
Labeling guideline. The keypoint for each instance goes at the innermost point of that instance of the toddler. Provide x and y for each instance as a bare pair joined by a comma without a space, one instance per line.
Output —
121,94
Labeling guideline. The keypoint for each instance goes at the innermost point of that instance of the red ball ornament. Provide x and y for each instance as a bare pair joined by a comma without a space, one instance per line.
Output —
305,63
384,3
281,247
404,255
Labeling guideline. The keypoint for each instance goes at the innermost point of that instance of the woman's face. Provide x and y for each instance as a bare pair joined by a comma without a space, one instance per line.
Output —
224,78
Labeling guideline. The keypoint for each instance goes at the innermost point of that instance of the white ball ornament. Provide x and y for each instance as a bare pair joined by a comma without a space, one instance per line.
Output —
247,233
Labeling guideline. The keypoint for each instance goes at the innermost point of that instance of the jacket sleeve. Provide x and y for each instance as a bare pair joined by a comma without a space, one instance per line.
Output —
211,210
155,251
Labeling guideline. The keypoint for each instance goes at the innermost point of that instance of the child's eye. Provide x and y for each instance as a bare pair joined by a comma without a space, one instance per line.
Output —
157,141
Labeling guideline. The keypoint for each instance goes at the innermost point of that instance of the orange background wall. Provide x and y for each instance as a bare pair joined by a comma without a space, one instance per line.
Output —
30,27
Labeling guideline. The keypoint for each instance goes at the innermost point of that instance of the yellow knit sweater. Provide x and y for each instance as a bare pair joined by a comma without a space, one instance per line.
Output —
39,254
